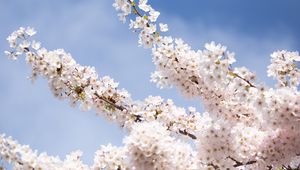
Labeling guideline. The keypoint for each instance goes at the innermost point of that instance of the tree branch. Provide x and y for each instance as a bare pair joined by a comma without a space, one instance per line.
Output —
136,11
242,78
238,163
138,117
121,108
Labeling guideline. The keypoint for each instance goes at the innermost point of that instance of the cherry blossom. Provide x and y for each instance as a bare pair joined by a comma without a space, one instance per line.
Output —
246,125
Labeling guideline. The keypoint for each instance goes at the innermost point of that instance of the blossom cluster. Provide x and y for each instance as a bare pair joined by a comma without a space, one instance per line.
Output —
81,84
249,124
246,124
284,68
150,146
149,33
23,158
111,157
208,73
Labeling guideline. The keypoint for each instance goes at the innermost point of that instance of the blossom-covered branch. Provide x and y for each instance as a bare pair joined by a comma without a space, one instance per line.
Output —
238,105
226,90
247,125
23,158
80,84
149,145
207,73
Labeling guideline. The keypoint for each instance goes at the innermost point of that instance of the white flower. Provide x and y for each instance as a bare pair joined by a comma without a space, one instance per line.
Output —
151,29
153,15
35,45
12,39
11,55
192,109
20,32
218,49
124,7
119,4
163,27
30,31
144,6
139,22
25,45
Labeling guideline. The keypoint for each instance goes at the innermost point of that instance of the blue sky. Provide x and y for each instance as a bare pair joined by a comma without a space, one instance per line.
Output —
91,32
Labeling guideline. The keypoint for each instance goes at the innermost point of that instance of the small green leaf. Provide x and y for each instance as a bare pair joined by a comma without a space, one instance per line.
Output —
234,75
156,34
247,87
132,3
81,96
218,62
110,107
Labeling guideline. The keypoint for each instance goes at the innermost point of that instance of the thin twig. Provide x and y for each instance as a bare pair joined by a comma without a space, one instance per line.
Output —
242,78
121,108
136,11
138,117
184,132
238,163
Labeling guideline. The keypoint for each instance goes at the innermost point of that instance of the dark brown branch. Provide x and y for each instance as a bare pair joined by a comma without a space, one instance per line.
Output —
132,3
247,81
184,132
238,163
216,167
121,108
242,78
138,117
290,168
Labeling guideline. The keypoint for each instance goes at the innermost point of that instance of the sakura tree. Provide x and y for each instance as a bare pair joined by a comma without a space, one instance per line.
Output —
247,125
